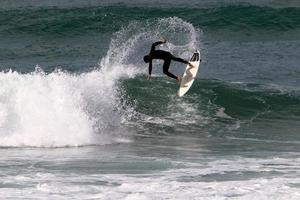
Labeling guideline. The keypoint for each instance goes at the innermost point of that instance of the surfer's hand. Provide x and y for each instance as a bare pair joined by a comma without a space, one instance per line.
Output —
164,40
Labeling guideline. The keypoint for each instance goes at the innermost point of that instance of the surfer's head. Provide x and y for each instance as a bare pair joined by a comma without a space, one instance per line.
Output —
147,58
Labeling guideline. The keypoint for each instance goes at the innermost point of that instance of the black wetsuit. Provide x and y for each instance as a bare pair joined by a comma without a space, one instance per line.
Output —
163,55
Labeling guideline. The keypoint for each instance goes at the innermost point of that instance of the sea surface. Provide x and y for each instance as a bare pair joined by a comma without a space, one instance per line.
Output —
79,119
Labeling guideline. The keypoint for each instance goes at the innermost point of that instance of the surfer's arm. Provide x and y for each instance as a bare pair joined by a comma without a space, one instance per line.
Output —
150,68
155,44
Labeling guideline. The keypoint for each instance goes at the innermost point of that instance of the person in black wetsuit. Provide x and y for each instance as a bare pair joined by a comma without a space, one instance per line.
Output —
163,55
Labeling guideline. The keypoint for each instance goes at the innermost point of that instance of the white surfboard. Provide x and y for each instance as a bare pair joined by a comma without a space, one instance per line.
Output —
189,74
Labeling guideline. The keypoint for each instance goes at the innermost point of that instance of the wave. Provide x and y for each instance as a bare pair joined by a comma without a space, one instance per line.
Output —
62,109
99,107
109,19
211,105
244,100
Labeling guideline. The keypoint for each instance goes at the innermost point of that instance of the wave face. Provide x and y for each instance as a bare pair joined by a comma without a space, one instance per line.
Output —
216,108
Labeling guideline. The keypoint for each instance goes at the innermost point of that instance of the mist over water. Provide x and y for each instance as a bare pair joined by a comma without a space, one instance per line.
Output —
78,119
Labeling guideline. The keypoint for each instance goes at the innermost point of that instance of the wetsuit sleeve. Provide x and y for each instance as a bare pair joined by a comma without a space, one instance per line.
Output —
154,45
150,67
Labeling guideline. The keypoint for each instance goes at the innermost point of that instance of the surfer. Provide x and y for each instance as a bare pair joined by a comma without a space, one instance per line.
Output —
163,55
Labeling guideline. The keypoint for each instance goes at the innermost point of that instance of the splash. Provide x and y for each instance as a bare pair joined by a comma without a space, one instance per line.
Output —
132,42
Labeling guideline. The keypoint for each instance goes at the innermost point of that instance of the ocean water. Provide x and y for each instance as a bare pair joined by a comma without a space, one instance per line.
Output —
79,120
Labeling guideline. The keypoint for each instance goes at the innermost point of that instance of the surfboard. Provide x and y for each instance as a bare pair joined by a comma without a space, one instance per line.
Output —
189,74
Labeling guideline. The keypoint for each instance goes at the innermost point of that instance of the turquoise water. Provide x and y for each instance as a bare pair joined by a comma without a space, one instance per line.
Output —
79,120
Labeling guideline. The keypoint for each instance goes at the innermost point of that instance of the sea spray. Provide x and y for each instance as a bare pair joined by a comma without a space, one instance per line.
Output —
131,43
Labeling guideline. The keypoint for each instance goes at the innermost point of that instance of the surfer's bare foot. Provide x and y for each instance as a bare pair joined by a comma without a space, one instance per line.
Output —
179,79
191,65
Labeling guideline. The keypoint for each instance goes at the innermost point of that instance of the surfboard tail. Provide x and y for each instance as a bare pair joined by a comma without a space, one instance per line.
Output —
196,56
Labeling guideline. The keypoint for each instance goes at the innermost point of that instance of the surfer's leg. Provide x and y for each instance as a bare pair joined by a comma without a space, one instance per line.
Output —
166,69
179,60
182,61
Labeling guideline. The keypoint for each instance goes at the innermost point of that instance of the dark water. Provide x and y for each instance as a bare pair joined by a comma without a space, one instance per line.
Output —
78,119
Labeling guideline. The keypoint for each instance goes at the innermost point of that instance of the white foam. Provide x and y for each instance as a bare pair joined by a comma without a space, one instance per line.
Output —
169,184
227,179
58,109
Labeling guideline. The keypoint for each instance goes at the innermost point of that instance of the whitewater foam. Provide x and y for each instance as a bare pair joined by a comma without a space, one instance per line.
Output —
58,109
203,178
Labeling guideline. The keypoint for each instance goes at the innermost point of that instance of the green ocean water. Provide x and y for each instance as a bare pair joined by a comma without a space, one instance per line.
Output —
79,120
